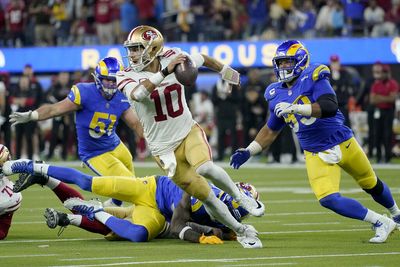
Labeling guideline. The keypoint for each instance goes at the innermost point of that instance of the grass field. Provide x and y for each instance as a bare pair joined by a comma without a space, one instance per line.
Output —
295,231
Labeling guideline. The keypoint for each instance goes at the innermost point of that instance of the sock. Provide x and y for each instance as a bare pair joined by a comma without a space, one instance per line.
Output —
64,192
71,176
126,229
52,183
385,198
344,206
220,178
220,212
75,219
394,210
372,216
92,226
102,216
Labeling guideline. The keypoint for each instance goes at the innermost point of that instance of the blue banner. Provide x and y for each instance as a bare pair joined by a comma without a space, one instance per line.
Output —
351,51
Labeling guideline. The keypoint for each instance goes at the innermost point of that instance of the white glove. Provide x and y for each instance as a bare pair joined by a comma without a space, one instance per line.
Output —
288,108
23,117
230,75
168,163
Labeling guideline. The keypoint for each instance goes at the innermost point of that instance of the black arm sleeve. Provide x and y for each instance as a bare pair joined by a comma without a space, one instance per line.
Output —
328,104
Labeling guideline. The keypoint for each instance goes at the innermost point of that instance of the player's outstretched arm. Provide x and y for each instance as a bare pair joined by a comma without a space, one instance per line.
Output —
131,119
228,74
44,112
263,140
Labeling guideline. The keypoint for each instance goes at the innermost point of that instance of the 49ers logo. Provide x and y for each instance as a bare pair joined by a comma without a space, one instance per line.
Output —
149,34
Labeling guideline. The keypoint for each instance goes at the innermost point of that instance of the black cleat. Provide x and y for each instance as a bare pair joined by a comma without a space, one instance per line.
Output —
25,180
55,218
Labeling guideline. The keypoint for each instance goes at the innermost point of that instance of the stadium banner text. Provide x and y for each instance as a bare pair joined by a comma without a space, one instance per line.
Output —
240,54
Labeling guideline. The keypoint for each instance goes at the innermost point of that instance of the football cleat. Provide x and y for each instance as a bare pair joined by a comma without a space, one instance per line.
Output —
109,203
383,228
55,218
18,166
396,219
84,207
26,180
248,237
254,207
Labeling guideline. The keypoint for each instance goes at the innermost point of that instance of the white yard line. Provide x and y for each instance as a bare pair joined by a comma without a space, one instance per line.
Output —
260,264
315,231
234,259
314,223
29,256
48,240
94,259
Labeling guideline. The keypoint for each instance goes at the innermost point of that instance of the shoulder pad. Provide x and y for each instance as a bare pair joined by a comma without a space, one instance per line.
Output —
270,92
321,72
171,52
75,94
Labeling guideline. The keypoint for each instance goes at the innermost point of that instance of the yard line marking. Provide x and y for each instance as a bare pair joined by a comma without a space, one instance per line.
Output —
33,255
314,223
41,222
89,259
315,231
299,213
261,264
233,259
48,240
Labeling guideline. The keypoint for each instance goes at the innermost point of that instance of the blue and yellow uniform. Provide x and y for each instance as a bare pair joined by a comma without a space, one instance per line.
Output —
98,144
317,135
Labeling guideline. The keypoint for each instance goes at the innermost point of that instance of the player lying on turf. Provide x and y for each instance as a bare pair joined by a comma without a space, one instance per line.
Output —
155,199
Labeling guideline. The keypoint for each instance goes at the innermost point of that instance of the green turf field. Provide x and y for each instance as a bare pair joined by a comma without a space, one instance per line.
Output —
296,231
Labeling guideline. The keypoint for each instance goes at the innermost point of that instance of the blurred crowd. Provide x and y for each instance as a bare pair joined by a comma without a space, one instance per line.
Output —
371,107
87,22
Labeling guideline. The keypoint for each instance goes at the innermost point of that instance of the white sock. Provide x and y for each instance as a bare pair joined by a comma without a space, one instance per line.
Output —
75,219
394,210
220,212
372,216
102,216
40,168
220,178
52,183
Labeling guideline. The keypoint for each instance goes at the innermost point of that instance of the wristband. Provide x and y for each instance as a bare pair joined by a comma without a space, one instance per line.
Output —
198,59
305,109
157,78
165,72
34,115
182,232
254,148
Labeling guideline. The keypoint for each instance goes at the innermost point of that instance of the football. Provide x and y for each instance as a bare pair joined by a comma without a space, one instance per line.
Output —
186,72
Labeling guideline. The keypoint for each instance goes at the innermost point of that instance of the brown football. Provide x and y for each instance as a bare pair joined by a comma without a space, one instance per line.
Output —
186,72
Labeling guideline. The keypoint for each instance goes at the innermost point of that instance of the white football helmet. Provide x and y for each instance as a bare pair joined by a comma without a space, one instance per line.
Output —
143,45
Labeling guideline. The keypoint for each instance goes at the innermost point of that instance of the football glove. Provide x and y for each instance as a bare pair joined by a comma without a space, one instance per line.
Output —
288,108
230,75
23,117
211,239
239,157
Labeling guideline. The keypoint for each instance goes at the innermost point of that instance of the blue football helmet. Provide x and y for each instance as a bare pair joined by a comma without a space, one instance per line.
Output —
237,211
293,52
105,76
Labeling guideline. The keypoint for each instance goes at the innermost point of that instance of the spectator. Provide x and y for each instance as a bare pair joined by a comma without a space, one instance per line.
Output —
44,31
226,105
257,11
62,21
354,11
16,19
23,98
383,96
129,18
104,21
323,25
374,17
203,112
341,82
337,19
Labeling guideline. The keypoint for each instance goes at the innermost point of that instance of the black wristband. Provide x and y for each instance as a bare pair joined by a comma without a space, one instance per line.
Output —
165,72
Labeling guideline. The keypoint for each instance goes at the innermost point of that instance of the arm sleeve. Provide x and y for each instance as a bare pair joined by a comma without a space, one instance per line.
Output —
328,104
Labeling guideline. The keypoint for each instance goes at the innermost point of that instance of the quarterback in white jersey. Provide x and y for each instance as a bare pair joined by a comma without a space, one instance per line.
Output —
9,201
176,141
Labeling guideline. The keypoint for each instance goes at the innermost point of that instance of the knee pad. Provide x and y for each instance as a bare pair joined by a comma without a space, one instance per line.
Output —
377,189
329,201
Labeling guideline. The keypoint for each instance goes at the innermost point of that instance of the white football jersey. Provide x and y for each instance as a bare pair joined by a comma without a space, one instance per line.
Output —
9,201
164,114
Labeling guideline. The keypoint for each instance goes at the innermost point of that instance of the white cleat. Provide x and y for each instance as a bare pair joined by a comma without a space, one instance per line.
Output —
383,228
396,219
84,207
248,238
254,207
17,166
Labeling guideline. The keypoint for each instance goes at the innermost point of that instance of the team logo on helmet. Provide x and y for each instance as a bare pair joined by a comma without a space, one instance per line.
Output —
149,34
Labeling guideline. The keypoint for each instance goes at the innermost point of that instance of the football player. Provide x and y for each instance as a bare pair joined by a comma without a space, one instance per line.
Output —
98,106
9,201
157,203
304,99
177,142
